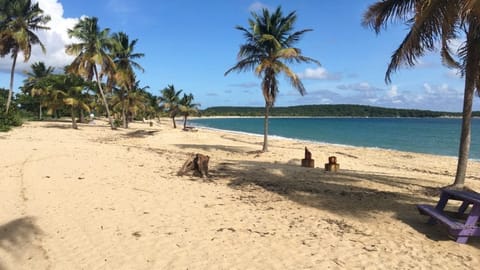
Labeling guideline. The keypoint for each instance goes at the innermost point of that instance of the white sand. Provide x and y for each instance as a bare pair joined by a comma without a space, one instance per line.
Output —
94,198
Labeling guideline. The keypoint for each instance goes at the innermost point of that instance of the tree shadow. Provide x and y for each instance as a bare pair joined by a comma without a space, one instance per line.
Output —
216,147
60,126
345,193
16,234
141,133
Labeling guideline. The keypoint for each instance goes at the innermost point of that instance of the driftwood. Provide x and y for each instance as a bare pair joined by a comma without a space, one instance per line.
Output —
197,163
308,161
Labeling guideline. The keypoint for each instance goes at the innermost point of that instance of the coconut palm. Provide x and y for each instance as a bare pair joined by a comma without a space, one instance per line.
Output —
18,23
435,24
187,107
124,58
71,89
169,100
268,51
33,83
92,50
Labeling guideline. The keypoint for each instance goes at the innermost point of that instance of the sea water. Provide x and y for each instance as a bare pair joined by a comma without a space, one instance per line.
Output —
439,136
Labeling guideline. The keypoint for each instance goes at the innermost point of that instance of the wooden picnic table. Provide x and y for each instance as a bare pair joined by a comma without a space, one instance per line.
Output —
461,224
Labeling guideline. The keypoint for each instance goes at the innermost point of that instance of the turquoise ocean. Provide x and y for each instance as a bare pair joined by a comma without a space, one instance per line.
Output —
439,136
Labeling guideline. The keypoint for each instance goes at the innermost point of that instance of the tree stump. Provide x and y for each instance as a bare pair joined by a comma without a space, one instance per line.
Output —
197,163
332,165
308,161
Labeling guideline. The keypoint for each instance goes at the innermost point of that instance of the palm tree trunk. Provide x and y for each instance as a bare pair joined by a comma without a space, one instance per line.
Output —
472,71
40,113
74,123
174,123
82,116
185,122
103,97
265,127
124,115
12,74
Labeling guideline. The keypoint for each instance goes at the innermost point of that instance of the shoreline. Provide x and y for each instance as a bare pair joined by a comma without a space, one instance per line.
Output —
315,141
96,198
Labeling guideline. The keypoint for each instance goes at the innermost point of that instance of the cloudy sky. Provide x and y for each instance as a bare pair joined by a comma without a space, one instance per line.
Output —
190,44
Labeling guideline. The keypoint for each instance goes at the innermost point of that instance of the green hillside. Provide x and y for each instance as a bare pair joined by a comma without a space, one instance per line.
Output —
326,111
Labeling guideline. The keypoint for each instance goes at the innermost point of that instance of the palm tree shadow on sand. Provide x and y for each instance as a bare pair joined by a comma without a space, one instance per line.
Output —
16,234
345,193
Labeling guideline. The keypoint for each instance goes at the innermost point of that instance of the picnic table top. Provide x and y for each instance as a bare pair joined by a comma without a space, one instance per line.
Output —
468,196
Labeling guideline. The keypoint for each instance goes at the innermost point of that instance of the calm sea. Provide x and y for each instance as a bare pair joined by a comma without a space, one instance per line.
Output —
438,136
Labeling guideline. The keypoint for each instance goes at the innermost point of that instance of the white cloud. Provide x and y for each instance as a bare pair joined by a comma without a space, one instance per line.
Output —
319,73
454,74
257,6
54,40
393,92
361,87
427,88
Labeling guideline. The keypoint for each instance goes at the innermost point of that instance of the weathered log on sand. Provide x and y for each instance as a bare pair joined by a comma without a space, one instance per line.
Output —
197,163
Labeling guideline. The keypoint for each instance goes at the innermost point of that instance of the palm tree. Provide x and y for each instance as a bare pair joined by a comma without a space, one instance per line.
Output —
124,58
20,19
267,51
92,50
33,83
187,107
71,87
169,101
432,24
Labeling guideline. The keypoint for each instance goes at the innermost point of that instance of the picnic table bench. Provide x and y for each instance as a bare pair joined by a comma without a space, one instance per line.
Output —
460,224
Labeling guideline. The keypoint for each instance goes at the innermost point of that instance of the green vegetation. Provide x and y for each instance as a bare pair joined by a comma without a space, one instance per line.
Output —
19,20
268,51
172,104
327,111
9,119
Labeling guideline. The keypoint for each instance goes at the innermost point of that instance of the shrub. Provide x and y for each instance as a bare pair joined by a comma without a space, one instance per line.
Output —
10,119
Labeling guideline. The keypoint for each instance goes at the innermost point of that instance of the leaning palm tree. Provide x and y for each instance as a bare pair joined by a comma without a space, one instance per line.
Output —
169,101
268,51
124,57
187,107
19,21
432,24
34,86
91,50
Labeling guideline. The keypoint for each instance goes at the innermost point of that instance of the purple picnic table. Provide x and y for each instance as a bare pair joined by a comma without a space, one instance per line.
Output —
463,223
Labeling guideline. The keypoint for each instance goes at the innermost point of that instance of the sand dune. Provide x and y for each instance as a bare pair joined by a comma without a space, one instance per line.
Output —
94,198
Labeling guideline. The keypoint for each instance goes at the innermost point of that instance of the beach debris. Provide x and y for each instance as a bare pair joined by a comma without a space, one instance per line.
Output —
332,165
308,161
197,163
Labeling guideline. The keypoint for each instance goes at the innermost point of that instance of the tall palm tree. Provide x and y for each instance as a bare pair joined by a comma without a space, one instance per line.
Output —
169,100
432,24
187,107
92,50
20,19
33,83
268,51
124,57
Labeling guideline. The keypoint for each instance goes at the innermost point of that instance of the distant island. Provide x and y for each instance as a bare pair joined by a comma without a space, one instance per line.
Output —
341,110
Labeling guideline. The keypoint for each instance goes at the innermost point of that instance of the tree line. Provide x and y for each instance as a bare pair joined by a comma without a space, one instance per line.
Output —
101,79
340,110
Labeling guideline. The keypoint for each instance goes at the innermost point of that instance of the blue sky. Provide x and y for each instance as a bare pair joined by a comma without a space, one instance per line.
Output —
190,44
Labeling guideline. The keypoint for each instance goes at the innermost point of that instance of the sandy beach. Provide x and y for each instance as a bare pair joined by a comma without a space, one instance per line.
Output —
94,198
